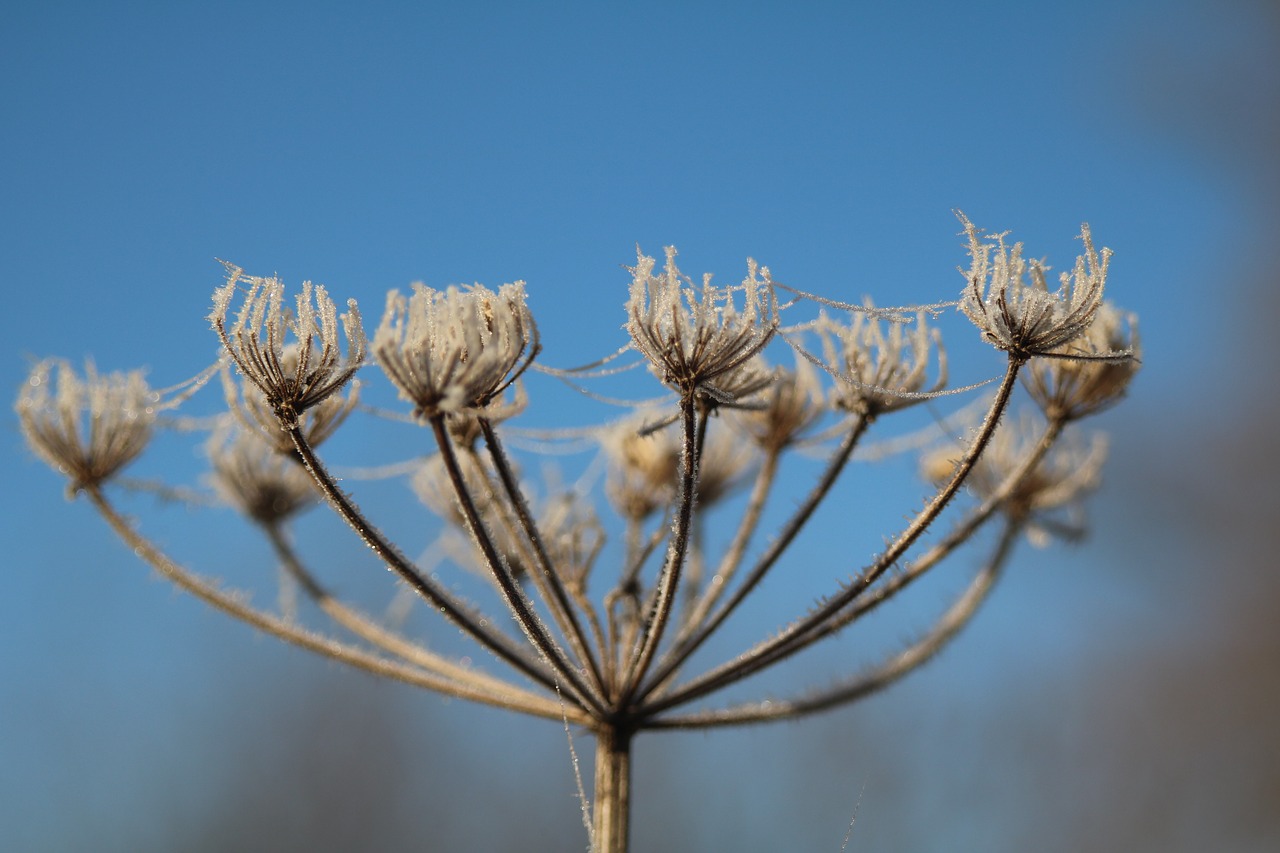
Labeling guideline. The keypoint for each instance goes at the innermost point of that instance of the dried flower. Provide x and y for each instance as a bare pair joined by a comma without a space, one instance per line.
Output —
573,537
455,350
789,407
464,426
645,467
250,408
256,479
1071,469
1091,373
294,375
91,427
878,371
695,337
1027,319
433,487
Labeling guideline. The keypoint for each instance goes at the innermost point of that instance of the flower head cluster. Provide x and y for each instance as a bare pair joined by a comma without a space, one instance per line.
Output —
433,487
878,371
249,406
89,427
696,338
1091,373
644,467
1071,470
1027,319
293,375
256,479
455,350
787,409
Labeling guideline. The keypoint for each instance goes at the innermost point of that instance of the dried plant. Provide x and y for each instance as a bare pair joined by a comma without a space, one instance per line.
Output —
617,664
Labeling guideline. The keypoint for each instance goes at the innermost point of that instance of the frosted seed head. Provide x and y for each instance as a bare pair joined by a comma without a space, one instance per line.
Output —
643,466
250,408
1023,317
255,479
464,424
89,427
787,409
1064,477
293,356
1090,374
456,350
695,337
880,365
433,487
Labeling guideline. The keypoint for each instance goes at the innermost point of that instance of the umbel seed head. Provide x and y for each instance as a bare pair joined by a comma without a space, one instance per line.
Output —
292,356
89,427
258,481
878,370
1091,373
694,338
1025,318
455,350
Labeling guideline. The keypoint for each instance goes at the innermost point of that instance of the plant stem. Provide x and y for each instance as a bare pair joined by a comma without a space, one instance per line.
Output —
612,813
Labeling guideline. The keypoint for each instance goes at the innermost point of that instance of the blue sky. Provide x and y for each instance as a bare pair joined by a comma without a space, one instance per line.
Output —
504,141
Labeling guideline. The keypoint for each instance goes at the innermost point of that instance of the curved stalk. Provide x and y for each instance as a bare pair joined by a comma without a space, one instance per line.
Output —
907,660
548,580
800,634
233,605
733,555
956,537
518,605
470,622
682,650
677,551
371,632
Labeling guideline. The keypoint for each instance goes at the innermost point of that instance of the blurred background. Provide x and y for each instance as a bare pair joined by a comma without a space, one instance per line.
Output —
1119,695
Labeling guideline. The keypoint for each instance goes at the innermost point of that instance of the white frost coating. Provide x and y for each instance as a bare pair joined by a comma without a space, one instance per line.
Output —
454,350
88,428
313,366
694,336
878,371
1028,319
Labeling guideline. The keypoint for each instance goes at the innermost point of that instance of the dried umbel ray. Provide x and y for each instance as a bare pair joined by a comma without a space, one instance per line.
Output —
618,662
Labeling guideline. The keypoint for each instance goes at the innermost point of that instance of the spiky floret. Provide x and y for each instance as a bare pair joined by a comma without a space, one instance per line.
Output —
1027,319
292,356
791,405
694,338
1091,373
253,477
455,350
1070,471
878,370
89,427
